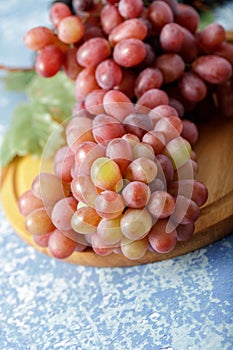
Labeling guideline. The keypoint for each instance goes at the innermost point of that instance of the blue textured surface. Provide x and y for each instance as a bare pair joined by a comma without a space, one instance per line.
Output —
184,303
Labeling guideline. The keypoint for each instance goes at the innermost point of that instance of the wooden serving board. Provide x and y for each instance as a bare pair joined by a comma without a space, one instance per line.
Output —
215,158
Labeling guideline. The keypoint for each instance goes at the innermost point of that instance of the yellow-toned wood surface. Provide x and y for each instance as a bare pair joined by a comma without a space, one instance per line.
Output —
215,158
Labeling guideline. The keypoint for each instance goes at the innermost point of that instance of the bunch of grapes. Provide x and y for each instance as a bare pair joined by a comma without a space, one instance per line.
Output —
125,182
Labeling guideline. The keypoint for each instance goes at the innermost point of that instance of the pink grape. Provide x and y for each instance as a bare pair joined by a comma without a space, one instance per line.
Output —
84,190
148,79
189,131
85,220
185,232
70,29
162,111
79,134
126,85
62,213
106,174
129,52
94,102
171,38
109,204
159,14
60,246
70,65
192,87
130,8
171,65
151,99
49,61
131,28
98,45
225,50
156,140
190,188
187,17
142,169
38,222
163,236
178,150
171,127
110,18
161,204
189,49
99,246
187,171
136,194
57,12
213,69
37,38
28,202
143,150
85,155
135,223
85,82
63,163
134,250
92,31
108,74
109,231
117,104
120,151
211,37
185,211
106,128
42,240
138,124
165,168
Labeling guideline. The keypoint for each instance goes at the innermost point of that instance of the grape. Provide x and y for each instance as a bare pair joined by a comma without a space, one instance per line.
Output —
177,105
159,14
138,124
211,37
85,82
148,60
39,37
100,247
142,169
70,65
38,222
94,102
163,236
134,250
161,204
109,231
185,232
171,38
187,171
213,69
151,99
120,151
63,163
28,202
60,246
57,12
136,194
165,168
108,74
129,52
225,50
187,17
170,127
42,240
130,8
70,29
92,31
136,223
171,65
156,140
49,61
106,174
126,85
82,5
178,150
85,154
49,188
148,78
84,190
109,204
106,128
85,220
117,104
109,18
131,28
143,150
192,87
189,131
162,111
62,213
131,139
186,210
190,188
189,49
99,46
80,133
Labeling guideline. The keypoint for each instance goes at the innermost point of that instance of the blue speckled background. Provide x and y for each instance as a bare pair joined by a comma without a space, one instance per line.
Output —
184,303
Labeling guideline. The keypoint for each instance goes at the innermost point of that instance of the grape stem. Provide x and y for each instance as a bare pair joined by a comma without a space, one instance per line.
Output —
16,69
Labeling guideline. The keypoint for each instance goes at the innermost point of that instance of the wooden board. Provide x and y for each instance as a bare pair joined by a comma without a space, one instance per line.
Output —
215,158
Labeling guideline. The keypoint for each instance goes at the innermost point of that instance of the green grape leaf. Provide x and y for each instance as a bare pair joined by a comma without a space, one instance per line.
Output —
17,81
30,131
56,94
